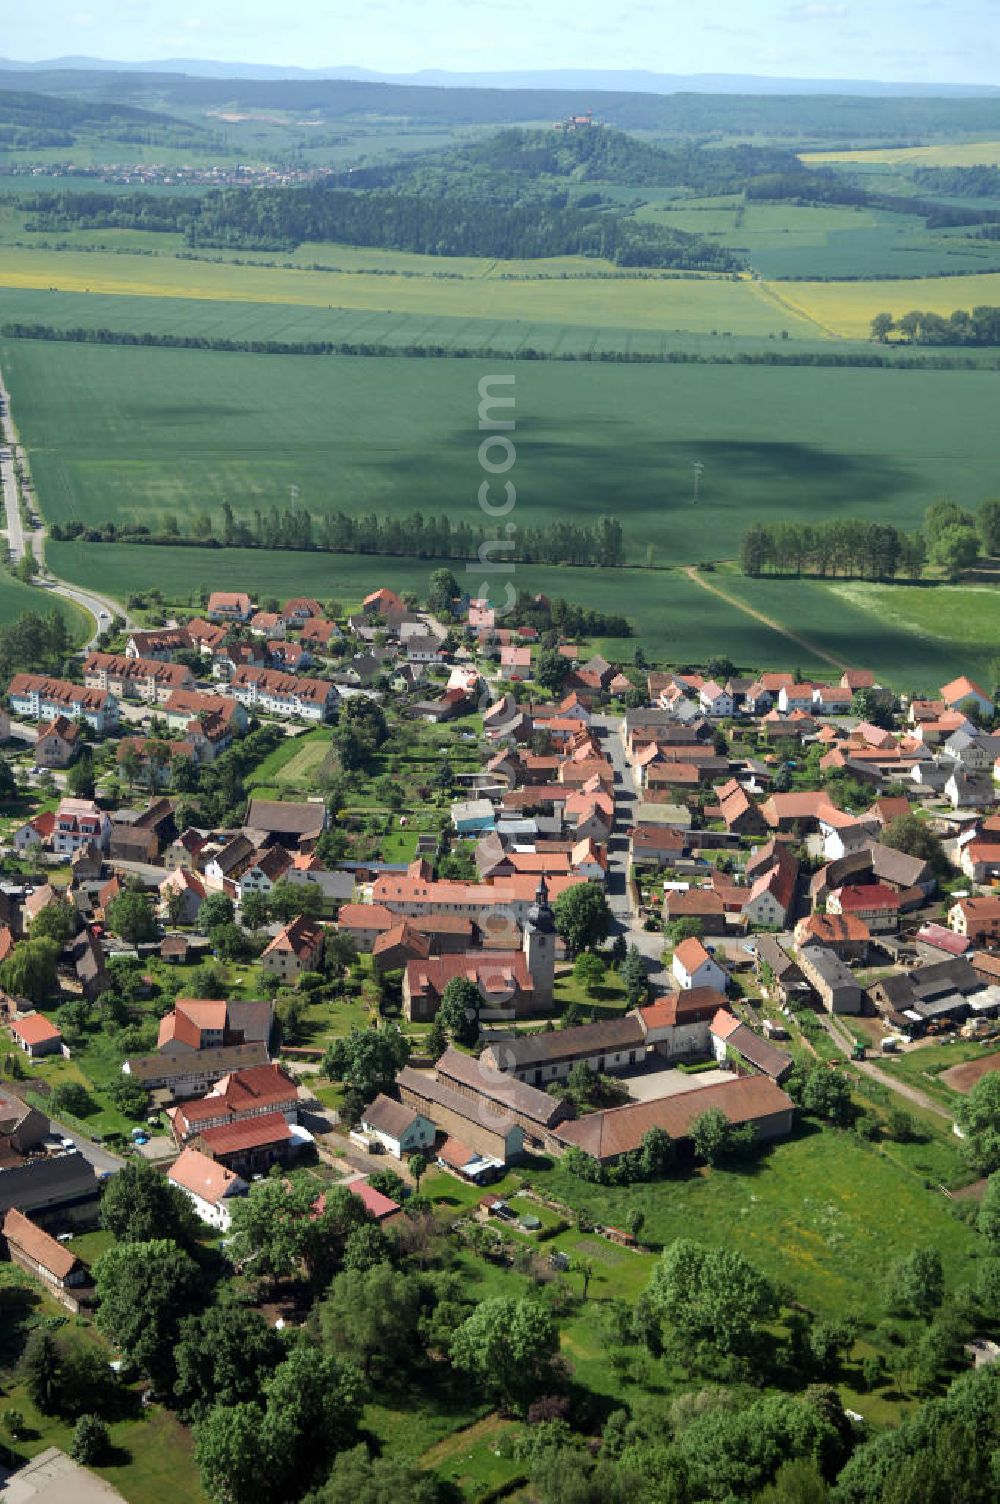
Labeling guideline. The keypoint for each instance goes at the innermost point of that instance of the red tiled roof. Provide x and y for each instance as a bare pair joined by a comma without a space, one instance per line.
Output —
620,1129
34,1029
44,1250
249,1133
378,1205
196,1172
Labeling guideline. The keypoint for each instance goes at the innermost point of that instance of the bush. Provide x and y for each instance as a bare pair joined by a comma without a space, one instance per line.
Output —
71,1097
13,1424
90,1440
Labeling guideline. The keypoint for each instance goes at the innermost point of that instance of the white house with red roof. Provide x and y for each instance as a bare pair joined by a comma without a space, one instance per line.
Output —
209,1186
229,605
693,965
36,1035
79,822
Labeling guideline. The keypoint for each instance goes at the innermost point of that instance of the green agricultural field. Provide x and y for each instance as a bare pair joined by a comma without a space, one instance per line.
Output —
300,323
782,240
16,598
553,292
873,628
944,154
967,615
142,435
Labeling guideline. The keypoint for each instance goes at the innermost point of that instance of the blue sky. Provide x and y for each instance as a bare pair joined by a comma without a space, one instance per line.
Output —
896,40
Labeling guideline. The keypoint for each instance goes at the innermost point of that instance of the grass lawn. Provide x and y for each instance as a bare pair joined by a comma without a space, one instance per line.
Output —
923,1067
152,1450
291,766
818,1214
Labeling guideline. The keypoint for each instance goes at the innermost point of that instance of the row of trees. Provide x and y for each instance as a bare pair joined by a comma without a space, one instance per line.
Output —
414,536
849,546
960,327
952,540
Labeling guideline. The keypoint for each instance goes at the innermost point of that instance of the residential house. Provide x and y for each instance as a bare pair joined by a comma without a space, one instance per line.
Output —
36,697
847,935
209,1186
398,1129
78,823
36,1035
677,1025
205,1024
978,919
254,1092
980,860
694,966
229,605
182,892
229,862
251,1148
301,608
185,1073
297,947
772,896
148,679
57,744
714,700
875,903
267,868
702,904
395,948
284,695
964,691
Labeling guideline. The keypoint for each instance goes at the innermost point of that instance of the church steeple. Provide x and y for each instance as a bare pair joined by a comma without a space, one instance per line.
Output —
539,946
540,915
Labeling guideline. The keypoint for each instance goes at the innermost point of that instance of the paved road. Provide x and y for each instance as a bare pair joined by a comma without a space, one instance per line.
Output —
649,943
101,607
102,1160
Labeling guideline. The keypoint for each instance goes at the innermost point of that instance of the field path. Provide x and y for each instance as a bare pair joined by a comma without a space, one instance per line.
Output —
691,570
769,294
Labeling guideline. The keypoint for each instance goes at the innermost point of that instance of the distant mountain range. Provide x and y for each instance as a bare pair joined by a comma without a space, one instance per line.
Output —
570,79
